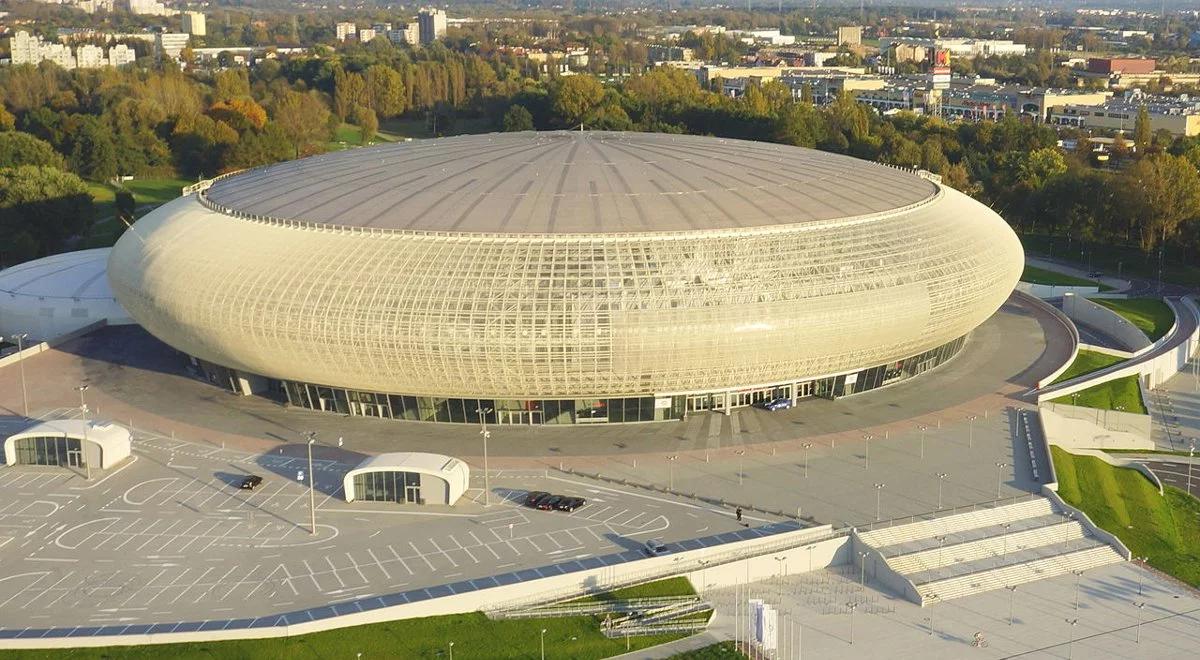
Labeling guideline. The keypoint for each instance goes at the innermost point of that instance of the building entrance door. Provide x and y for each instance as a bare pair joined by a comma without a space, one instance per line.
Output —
519,416
74,458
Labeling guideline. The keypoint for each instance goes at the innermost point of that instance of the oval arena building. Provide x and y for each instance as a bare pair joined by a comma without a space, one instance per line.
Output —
565,278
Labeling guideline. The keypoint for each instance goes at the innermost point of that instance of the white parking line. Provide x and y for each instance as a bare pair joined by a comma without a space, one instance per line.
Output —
487,547
450,559
427,562
335,571
400,559
379,564
464,549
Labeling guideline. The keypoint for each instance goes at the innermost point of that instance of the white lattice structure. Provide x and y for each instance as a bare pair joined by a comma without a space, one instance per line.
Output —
565,265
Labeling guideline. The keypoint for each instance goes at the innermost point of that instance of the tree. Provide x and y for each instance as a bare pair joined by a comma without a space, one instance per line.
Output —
304,119
1039,166
1164,192
231,84
240,113
368,124
385,88
349,90
575,98
40,208
126,206
1141,130
93,154
255,148
17,148
517,118
8,122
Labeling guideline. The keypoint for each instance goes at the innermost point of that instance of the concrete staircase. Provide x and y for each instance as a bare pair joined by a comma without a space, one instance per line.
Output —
969,553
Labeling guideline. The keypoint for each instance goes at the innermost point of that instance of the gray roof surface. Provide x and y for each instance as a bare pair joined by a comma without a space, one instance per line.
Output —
78,275
571,182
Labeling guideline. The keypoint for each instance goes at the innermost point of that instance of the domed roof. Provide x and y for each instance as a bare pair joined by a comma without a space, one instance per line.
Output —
571,182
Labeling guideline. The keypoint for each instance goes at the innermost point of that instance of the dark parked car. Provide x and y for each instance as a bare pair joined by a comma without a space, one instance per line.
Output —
532,498
655,547
548,503
251,482
569,504
782,403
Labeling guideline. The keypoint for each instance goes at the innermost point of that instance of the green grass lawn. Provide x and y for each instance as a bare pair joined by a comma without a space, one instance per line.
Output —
1034,275
1087,362
676,586
1179,265
1151,315
148,193
719,651
474,636
1165,528
1119,394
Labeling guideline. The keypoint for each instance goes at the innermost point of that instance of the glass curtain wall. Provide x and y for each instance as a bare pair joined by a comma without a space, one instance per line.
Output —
388,486
50,450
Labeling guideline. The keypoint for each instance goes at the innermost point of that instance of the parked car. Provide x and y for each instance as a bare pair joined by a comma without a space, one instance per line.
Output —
531,499
655,547
1095,274
569,504
782,403
251,481
548,503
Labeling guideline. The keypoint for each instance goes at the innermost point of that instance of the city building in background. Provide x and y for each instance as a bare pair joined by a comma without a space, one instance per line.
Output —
344,30
565,278
432,24
194,23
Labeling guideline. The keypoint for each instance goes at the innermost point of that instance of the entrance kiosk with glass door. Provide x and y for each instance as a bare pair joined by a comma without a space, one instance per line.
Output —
69,443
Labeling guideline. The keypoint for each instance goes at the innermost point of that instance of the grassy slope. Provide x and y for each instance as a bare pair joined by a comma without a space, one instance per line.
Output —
1035,275
719,651
146,192
676,586
1151,315
1164,528
1087,362
1122,392
474,636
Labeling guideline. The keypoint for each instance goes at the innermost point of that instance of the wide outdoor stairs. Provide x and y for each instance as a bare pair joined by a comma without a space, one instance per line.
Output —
969,553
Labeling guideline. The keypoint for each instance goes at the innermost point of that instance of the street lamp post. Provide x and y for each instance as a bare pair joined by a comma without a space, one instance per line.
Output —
671,471
1004,552
1070,644
862,569
1012,596
485,434
932,597
941,479
1141,573
852,606
971,431
878,490
941,546
1000,477
20,338
1137,639
1078,574
867,456
923,428
741,464
543,644
810,549
83,411
312,496
1191,455
782,572
451,650
807,446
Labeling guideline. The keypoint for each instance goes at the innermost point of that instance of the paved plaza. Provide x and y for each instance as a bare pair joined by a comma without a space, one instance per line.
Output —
815,619
170,537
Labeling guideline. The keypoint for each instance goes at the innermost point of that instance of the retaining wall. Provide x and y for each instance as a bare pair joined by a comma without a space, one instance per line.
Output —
1066,322
1111,539
1084,311
1046,291
1076,426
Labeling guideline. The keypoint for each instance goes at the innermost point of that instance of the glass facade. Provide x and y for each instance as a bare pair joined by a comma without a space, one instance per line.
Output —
611,410
50,450
388,486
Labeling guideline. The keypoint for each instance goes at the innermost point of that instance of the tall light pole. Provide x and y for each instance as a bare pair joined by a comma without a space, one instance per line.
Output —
312,496
83,411
941,478
671,471
941,546
878,489
451,650
852,606
741,464
1012,596
1004,552
971,431
1078,574
543,644
923,428
20,339
807,446
810,549
867,463
1191,455
862,569
485,434
782,571
1070,644
1000,477
1141,573
931,623
1138,634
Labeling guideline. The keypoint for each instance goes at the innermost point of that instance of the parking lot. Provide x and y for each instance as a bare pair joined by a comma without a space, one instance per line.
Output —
170,536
